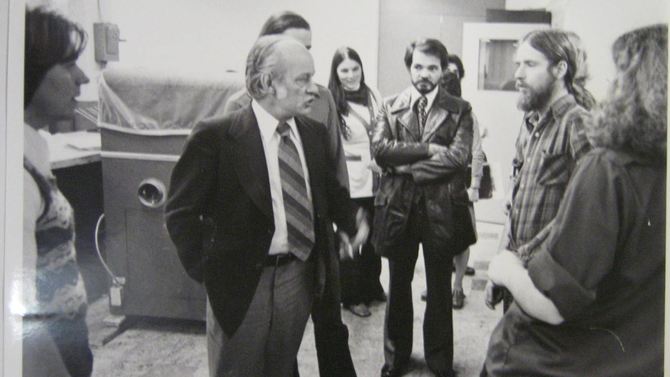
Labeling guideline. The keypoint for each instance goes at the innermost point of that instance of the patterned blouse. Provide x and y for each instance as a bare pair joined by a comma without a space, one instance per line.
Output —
58,284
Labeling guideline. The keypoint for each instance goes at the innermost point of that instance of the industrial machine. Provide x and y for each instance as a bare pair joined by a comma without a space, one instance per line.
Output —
145,117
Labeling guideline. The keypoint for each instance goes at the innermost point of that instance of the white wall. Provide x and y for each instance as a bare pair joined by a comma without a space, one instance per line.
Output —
213,36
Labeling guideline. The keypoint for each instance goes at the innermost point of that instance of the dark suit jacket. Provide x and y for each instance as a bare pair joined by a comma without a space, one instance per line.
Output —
441,178
219,209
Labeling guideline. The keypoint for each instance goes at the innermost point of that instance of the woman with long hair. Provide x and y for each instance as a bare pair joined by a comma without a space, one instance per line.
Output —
591,302
357,105
54,297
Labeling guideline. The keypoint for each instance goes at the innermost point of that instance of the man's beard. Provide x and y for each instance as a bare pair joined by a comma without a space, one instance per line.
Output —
427,86
535,99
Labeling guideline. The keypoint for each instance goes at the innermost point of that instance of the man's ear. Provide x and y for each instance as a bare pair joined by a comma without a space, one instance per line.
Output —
266,84
560,69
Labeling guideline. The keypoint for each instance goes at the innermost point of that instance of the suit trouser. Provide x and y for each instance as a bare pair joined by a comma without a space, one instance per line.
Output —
268,340
438,336
330,333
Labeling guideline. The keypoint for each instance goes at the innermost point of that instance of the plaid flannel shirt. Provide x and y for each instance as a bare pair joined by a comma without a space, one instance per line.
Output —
547,150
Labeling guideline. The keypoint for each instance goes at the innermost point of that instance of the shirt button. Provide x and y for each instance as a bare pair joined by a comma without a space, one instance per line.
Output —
537,134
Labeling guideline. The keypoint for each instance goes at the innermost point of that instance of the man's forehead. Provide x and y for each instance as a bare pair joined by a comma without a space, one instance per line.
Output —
425,58
526,52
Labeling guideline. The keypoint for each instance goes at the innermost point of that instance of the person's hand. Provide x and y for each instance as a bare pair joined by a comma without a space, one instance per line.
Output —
494,294
402,169
504,265
374,167
473,194
434,149
346,251
363,229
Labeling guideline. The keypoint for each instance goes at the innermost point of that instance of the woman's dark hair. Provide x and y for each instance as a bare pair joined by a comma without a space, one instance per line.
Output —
449,81
335,86
51,39
281,21
634,116
556,46
455,60
428,46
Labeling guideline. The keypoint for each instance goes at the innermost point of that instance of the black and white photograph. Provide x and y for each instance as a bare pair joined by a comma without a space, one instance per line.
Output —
286,188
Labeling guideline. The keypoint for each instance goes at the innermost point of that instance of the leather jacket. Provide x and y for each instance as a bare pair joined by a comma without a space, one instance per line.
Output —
410,169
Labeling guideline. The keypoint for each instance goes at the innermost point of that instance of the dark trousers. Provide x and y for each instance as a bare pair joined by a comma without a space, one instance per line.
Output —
331,335
437,322
71,338
360,276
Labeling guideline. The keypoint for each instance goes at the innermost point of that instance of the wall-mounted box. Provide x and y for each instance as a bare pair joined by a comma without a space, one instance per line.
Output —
106,40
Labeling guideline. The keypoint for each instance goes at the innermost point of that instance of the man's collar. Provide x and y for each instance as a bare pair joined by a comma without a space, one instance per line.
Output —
556,110
430,96
268,123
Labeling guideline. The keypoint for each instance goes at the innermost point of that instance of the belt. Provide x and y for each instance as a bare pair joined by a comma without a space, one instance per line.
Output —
279,259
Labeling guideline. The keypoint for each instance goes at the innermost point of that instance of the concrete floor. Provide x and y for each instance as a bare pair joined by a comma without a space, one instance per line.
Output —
167,348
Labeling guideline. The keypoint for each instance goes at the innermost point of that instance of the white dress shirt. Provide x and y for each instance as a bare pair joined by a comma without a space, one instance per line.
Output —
268,129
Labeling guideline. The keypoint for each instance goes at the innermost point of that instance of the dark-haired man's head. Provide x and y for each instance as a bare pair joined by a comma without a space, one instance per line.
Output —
290,24
426,59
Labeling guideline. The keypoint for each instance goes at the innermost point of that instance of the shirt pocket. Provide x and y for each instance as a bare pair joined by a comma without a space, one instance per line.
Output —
554,169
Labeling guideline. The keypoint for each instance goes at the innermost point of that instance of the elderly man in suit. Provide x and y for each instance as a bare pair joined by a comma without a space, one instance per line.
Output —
331,335
250,209
423,140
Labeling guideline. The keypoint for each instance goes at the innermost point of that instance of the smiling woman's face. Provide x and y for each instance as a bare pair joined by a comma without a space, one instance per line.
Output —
350,72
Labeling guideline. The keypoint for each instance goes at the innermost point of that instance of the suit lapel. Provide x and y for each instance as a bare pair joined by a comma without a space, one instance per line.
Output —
406,117
436,117
251,169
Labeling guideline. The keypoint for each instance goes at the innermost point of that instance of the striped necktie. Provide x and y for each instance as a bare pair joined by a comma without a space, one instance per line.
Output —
297,206
421,108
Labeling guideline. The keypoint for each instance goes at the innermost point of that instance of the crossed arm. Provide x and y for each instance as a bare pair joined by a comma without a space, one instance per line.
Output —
425,161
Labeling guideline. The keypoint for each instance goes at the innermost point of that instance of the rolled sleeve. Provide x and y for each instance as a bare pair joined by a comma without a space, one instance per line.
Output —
579,251
563,289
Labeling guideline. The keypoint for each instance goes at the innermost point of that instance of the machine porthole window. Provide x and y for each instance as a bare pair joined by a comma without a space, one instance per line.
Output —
151,193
